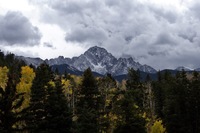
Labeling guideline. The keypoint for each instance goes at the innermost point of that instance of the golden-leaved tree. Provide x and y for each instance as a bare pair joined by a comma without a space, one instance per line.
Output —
3,77
24,86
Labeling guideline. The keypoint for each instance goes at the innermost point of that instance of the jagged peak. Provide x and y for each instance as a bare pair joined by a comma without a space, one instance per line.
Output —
61,57
97,50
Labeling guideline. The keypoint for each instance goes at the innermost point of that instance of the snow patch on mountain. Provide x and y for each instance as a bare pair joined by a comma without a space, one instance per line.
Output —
180,68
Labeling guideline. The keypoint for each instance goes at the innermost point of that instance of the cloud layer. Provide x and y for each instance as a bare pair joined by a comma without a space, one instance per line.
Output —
163,34
16,29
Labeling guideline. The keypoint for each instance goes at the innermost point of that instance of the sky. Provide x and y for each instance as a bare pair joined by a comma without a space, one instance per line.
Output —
160,33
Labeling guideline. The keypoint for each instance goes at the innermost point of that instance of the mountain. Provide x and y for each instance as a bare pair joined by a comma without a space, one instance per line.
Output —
98,59
58,61
34,61
180,68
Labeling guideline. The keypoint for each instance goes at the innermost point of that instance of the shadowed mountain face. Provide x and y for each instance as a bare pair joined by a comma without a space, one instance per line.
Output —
99,60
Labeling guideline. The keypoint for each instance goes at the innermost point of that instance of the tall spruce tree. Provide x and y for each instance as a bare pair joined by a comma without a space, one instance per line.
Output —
59,116
131,106
175,107
37,112
134,86
87,108
131,120
158,94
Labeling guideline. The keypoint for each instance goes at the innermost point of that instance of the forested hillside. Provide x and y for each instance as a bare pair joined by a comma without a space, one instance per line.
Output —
36,100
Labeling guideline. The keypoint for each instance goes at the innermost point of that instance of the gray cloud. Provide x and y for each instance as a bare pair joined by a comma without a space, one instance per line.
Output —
157,53
86,35
16,29
168,14
165,39
195,9
162,37
47,44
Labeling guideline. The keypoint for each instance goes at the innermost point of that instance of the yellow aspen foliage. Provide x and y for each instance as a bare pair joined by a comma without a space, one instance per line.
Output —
67,87
3,77
51,83
77,79
24,86
158,127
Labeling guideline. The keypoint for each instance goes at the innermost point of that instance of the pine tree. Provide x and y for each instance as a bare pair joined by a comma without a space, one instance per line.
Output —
37,113
175,107
88,104
193,106
131,106
131,120
59,116
135,87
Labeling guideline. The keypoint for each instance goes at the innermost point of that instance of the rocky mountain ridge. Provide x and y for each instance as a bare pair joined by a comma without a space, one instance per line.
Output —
98,59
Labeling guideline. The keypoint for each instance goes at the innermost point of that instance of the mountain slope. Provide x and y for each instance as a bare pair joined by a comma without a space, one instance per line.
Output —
28,60
64,68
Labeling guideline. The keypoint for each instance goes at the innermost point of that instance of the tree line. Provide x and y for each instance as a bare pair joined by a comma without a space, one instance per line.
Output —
39,100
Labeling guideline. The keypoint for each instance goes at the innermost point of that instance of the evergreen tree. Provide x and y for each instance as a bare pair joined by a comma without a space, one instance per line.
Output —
193,108
88,104
10,102
160,89
14,65
135,87
131,120
37,113
158,94
175,107
131,106
59,116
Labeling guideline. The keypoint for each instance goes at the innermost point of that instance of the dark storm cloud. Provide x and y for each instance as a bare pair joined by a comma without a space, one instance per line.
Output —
162,37
16,29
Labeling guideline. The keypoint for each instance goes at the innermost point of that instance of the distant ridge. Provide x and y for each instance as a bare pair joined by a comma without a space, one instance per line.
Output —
180,68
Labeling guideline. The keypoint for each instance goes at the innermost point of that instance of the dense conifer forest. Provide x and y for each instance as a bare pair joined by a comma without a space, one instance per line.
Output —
34,100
